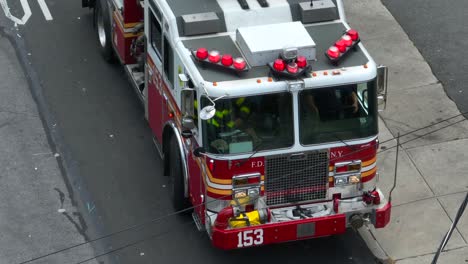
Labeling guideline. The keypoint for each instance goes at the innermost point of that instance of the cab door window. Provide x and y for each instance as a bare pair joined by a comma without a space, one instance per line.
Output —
169,62
156,35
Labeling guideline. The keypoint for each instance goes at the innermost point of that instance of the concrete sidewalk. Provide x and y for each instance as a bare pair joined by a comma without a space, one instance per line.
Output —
432,172
37,214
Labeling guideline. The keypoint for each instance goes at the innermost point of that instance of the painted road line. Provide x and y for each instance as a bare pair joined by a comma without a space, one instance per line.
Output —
26,9
45,9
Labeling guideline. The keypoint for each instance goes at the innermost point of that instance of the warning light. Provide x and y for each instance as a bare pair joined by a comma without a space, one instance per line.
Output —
223,62
343,46
239,63
301,61
347,40
353,34
279,65
333,52
292,68
202,54
226,60
214,56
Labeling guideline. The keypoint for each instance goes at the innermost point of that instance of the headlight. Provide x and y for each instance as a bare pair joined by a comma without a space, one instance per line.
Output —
347,180
341,181
254,192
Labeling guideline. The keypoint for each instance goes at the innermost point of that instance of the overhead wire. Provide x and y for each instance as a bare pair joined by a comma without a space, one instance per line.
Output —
157,235
387,149
157,219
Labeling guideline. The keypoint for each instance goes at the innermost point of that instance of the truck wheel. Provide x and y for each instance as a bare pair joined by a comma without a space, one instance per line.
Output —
103,30
176,177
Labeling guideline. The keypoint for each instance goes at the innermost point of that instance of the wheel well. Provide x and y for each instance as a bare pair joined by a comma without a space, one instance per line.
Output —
168,133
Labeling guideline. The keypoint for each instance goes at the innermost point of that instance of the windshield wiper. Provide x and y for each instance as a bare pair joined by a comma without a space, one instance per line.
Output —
255,151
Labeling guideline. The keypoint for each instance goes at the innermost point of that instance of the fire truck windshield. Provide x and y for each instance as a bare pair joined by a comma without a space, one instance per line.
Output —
245,124
338,113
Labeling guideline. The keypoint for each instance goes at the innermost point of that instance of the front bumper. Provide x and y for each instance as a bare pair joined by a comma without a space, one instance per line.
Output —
278,232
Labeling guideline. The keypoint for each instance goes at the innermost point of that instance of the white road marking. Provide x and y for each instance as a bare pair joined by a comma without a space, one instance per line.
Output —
45,9
26,9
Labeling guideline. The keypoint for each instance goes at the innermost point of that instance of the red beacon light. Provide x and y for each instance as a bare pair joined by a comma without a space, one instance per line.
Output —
279,65
290,68
214,56
215,59
202,54
353,34
301,62
341,45
226,60
240,64
333,52
349,40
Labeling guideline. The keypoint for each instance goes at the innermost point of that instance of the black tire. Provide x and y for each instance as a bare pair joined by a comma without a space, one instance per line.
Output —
176,177
102,23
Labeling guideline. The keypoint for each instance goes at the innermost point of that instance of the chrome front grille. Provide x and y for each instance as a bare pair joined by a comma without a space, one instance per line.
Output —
296,178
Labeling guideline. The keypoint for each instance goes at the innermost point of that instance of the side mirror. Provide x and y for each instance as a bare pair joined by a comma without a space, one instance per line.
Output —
382,84
188,123
207,112
198,152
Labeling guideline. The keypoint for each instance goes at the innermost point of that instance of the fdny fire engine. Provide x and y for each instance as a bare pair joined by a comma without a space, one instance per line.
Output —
265,112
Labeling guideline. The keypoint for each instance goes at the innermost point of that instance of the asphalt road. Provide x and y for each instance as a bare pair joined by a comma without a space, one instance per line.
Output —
439,29
111,162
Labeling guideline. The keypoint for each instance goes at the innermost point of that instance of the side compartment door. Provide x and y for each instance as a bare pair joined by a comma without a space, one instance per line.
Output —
155,69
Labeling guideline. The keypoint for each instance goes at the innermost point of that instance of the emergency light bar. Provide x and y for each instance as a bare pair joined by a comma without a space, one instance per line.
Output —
215,59
290,68
342,46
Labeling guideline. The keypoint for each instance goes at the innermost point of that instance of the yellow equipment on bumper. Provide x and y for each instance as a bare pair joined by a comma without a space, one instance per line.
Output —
253,218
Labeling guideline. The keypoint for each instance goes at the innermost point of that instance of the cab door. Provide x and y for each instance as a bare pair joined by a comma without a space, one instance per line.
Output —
188,97
156,101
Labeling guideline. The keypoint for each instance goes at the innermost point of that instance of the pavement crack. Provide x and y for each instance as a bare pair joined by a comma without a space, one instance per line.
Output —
61,196
451,219
80,227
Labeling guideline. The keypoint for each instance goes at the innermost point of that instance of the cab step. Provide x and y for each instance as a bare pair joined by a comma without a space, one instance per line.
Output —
198,222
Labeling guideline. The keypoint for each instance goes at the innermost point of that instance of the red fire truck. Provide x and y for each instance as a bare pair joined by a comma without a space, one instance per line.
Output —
265,112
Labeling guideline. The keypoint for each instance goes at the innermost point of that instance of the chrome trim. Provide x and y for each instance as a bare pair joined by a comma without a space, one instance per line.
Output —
182,155
247,175
293,149
346,163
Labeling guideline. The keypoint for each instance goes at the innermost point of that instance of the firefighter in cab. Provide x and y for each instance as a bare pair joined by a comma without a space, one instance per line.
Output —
231,124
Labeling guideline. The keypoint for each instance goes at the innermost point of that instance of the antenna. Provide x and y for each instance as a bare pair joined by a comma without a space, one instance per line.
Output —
396,168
